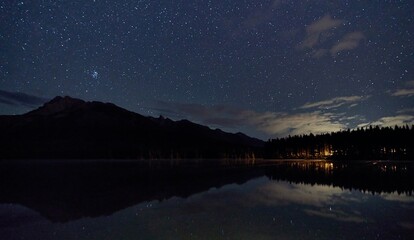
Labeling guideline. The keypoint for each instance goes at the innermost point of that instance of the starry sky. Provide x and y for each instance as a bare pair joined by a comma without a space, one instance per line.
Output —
267,68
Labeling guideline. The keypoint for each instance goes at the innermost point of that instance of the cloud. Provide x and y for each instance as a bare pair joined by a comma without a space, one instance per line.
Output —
406,110
6,101
334,102
391,121
271,123
314,117
319,53
348,42
324,24
20,99
316,32
405,92
280,124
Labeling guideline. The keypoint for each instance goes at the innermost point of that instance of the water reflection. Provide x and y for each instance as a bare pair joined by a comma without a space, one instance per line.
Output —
66,191
368,176
281,200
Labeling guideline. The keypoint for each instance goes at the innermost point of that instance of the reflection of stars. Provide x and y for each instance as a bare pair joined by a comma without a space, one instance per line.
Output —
95,74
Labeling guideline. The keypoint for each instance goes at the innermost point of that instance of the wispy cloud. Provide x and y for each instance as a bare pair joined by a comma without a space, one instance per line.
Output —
320,31
316,30
404,92
324,24
391,121
348,42
271,123
335,102
313,117
406,110
277,124
20,99
318,53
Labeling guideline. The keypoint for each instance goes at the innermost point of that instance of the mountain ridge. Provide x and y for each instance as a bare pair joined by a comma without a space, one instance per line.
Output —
67,127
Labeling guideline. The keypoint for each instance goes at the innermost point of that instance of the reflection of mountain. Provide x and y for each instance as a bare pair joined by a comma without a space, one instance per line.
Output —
64,191
72,128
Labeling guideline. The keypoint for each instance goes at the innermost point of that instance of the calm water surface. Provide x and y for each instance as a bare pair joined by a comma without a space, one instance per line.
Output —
267,200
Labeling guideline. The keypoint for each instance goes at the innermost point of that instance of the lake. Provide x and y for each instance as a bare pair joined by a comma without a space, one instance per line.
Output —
206,199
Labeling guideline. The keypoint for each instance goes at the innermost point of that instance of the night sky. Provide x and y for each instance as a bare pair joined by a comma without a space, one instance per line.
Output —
266,68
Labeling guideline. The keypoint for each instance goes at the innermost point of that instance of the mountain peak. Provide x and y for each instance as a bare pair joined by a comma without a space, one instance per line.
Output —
57,104
66,100
60,98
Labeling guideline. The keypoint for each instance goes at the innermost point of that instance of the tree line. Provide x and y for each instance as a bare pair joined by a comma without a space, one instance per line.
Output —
373,142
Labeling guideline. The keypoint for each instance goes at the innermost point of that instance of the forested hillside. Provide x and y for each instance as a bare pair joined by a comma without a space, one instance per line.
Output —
362,143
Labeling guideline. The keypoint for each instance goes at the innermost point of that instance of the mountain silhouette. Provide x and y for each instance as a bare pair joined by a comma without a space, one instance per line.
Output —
66,127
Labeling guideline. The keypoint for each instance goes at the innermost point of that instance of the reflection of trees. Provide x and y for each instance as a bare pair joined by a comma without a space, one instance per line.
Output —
362,143
371,176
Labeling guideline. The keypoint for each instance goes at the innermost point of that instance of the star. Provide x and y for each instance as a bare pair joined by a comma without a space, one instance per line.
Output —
94,74
270,59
